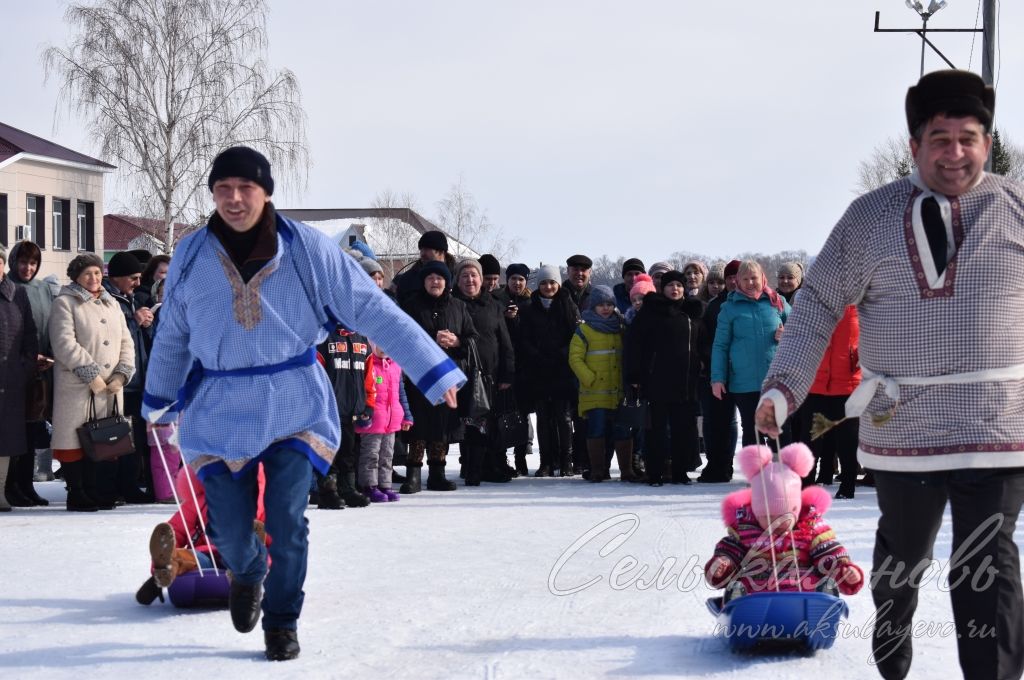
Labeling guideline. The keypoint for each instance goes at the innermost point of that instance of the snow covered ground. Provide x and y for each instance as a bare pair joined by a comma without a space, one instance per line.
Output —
532,579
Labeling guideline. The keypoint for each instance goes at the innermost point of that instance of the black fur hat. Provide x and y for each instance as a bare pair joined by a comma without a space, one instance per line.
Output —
960,93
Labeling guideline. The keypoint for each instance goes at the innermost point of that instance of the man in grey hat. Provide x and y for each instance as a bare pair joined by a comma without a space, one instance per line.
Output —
918,257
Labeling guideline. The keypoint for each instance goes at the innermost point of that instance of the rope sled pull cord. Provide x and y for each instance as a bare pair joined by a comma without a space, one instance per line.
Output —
177,502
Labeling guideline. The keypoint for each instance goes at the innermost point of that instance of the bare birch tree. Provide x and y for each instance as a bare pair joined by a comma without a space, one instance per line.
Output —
460,217
889,161
392,235
165,85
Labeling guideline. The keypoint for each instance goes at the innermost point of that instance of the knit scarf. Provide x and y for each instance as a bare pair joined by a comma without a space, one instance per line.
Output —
773,297
612,324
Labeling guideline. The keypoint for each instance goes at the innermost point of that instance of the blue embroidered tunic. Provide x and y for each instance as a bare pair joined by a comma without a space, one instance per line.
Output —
240,333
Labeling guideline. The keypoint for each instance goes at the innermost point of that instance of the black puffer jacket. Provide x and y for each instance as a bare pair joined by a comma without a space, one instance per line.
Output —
544,336
433,314
663,348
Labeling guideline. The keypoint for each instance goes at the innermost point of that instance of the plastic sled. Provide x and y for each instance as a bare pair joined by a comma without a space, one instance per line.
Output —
199,588
807,620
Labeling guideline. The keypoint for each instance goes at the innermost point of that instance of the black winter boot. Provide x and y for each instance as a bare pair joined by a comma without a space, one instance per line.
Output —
521,467
24,469
149,592
474,465
436,481
282,644
244,605
329,498
349,494
12,487
78,500
413,479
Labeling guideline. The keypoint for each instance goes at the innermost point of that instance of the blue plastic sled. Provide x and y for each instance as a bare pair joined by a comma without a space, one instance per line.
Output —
807,620
194,590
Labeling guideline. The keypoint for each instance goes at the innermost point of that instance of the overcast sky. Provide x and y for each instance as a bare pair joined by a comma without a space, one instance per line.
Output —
620,128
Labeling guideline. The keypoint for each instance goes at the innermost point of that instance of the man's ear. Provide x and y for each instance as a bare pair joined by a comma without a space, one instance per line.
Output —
914,146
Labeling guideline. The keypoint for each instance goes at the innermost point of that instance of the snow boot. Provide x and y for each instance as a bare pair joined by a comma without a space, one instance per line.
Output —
78,500
390,493
495,467
436,481
595,448
161,551
474,464
347,490
44,466
521,467
624,454
375,495
12,486
148,593
4,464
26,467
413,479
329,498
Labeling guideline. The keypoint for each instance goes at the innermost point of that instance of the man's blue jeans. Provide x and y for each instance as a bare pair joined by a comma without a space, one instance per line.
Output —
231,508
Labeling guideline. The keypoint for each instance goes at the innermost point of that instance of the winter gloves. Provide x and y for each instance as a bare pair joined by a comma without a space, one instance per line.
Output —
115,383
97,385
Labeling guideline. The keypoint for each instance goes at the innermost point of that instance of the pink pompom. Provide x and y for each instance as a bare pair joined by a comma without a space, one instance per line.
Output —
798,457
752,458
817,497
732,503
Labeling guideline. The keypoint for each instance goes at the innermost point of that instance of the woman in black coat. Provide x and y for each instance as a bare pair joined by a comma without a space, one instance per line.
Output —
664,360
446,320
483,456
546,326
19,349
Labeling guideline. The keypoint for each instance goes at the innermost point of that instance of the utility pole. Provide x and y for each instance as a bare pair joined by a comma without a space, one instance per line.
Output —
988,52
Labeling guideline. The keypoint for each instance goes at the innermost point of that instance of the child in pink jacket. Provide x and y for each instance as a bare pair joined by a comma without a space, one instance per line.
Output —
388,411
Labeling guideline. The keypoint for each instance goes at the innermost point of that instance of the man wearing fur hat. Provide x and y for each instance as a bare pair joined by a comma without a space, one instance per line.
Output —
917,257
249,296
433,247
124,274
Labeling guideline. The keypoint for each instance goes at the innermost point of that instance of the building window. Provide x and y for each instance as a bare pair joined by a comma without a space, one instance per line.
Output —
35,218
86,226
3,220
61,224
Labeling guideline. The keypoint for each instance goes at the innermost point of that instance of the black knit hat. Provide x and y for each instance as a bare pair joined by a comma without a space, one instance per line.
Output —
670,276
580,261
243,162
952,92
82,262
436,267
633,264
517,269
490,265
124,264
142,255
435,240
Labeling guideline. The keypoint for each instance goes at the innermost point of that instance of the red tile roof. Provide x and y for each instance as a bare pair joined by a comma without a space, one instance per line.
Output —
14,141
119,230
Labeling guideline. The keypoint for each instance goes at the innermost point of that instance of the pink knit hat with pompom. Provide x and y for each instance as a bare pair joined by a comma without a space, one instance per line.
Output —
775,486
642,285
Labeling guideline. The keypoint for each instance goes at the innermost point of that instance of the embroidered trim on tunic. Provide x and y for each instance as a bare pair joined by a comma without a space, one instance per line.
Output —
246,301
786,392
928,293
940,450
319,446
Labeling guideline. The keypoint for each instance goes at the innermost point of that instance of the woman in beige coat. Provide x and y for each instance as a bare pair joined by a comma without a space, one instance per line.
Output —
95,356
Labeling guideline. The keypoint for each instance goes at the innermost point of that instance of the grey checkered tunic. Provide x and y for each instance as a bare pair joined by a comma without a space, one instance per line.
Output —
968,320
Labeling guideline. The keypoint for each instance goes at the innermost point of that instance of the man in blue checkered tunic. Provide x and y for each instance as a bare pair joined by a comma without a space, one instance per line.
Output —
935,264
249,297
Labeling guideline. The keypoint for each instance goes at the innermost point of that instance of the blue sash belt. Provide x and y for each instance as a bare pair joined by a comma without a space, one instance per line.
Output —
198,373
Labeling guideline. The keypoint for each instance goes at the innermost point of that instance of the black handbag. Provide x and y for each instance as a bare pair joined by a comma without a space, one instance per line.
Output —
632,411
109,438
479,387
513,427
